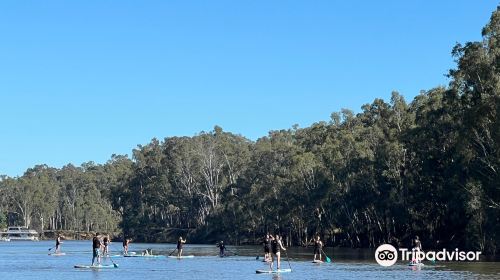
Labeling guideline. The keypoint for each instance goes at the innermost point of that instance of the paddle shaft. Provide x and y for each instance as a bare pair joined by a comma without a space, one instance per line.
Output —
286,254
111,259
172,252
229,251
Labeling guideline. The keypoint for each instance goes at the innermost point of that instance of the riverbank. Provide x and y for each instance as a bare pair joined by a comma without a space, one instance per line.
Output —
76,235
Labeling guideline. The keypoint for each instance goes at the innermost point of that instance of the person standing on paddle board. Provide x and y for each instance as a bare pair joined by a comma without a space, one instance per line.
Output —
125,243
267,247
96,246
58,244
318,246
105,244
276,247
222,249
417,247
180,243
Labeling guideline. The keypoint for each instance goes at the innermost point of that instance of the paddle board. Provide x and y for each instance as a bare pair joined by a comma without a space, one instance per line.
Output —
283,270
415,264
317,261
144,256
182,257
57,254
96,266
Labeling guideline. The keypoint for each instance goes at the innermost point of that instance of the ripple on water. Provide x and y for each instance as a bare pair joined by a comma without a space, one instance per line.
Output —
29,260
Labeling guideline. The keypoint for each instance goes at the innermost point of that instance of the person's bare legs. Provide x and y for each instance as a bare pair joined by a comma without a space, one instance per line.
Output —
278,256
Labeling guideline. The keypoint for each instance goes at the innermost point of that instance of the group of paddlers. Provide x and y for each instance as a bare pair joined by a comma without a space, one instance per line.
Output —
272,248
273,244
100,247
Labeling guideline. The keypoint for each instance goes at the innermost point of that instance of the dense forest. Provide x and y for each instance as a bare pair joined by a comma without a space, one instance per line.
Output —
430,167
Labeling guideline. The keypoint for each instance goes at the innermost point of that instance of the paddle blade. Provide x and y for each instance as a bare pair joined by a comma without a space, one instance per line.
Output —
328,259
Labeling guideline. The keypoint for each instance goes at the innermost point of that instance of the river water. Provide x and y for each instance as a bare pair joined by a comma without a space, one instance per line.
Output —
30,260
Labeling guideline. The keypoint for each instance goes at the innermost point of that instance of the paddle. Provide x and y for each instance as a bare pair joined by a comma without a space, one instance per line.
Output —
172,252
52,248
111,259
286,254
236,254
326,257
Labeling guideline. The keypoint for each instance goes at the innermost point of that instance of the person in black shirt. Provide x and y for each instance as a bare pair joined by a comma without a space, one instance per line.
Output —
105,244
267,248
58,244
276,247
318,247
126,242
222,249
96,245
179,246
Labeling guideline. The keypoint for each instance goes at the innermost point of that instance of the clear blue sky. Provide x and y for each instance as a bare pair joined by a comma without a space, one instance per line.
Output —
81,80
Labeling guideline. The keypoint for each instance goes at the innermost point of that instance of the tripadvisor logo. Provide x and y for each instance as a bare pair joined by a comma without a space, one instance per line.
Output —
387,255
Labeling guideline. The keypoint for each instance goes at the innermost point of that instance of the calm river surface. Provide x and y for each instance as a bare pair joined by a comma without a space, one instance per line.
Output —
30,260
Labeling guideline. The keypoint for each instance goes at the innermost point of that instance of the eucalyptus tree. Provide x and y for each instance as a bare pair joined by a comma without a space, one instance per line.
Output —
476,83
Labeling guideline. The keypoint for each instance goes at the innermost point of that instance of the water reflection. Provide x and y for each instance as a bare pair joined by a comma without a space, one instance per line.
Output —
277,277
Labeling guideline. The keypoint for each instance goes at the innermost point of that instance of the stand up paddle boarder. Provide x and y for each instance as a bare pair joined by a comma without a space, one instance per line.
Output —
179,246
222,249
318,246
58,243
105,244
96,245
126,242
417,247
267,248
276,247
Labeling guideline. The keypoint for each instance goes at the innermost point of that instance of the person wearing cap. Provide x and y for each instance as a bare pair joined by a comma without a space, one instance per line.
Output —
222,249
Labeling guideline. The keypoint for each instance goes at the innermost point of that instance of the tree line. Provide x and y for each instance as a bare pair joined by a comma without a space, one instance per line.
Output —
394,170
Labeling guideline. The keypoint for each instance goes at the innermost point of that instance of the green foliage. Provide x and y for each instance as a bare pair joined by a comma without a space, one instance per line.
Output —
3,221
396,169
